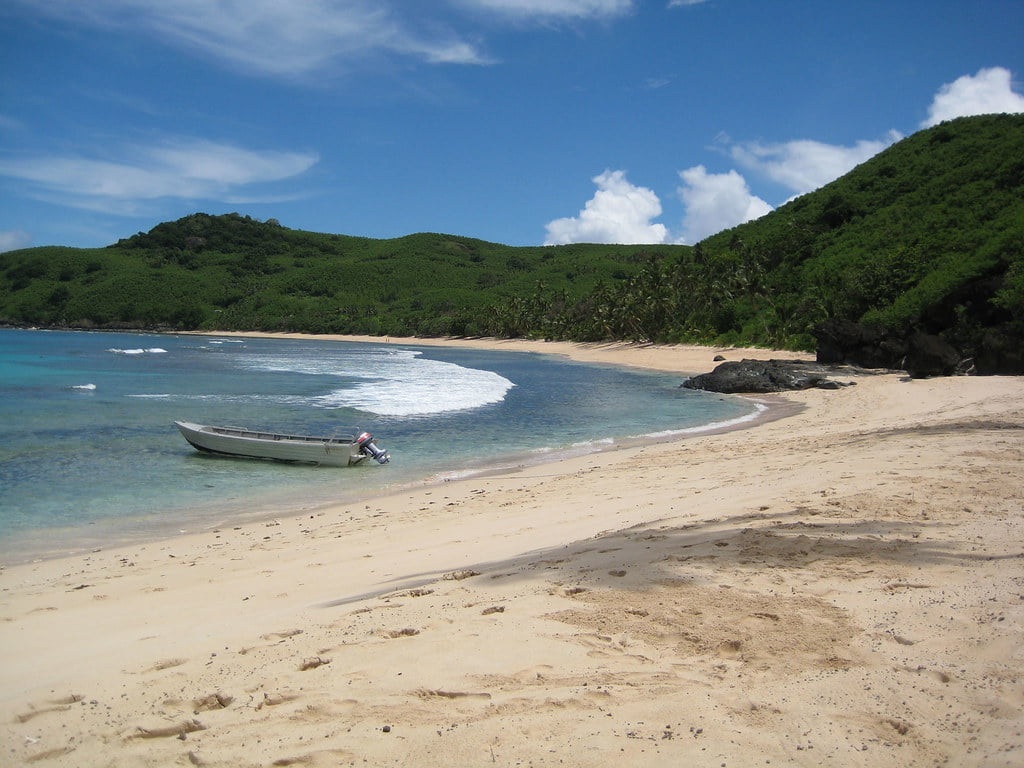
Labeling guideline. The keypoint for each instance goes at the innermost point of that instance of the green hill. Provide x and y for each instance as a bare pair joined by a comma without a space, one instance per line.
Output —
925,238
897,238
232,272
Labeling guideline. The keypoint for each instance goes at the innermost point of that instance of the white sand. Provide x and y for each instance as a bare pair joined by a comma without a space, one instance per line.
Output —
844,586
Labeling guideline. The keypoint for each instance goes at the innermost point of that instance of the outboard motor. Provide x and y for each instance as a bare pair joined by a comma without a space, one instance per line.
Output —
366,446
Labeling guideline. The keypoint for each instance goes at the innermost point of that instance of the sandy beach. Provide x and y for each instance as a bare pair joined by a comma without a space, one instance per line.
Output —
843,586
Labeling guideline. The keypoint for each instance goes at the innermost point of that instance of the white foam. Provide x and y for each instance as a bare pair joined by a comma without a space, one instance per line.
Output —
397,382
429,386
88,387
759,409
139,351
594,443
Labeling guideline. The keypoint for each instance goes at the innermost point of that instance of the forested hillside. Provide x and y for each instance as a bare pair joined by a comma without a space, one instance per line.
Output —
233,272
925,238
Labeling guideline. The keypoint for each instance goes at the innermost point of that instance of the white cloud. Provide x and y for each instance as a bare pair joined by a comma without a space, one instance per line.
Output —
227,165
273,37
13,239
619,212
295,39
804,165
193,169
548,9
716,201
990,91
681,3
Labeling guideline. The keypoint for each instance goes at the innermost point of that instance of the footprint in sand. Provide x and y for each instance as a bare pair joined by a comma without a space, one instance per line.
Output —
729,649
24,717
282,635
274,699
532,674
899,726
60,704
216,700
163,732
396,633
49,754
166,664
437,694
417,592
331,757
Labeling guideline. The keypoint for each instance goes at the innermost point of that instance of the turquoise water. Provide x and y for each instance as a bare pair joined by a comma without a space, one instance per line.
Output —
89,452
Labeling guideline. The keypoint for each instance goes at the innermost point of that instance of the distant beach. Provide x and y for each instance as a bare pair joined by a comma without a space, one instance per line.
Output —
841,586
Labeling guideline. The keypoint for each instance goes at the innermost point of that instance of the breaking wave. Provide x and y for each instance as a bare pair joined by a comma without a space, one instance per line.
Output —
395,382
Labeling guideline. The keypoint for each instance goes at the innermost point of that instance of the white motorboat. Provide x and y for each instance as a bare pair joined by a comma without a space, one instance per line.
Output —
333,451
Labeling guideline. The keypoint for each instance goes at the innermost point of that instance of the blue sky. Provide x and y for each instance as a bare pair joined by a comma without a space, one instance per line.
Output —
517,121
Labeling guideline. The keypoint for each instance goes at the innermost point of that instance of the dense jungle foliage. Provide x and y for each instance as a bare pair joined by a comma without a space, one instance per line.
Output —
928,234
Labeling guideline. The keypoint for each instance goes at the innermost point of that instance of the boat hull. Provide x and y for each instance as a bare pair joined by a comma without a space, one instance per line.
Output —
252,444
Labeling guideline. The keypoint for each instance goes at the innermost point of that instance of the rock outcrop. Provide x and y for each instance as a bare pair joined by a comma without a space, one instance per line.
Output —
998,349
764,376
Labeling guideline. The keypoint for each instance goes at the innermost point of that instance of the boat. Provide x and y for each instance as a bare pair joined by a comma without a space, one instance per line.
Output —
331,451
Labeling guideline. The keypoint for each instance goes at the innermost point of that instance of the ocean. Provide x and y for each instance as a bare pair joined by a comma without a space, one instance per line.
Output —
89,454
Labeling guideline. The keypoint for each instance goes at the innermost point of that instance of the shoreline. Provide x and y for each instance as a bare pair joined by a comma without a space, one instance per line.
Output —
841,586
28,548
687,359
34,546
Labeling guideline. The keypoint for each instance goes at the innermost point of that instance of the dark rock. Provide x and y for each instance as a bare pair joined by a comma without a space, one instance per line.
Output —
846,342
932,350
1001,352
718,358
928,355
761,376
